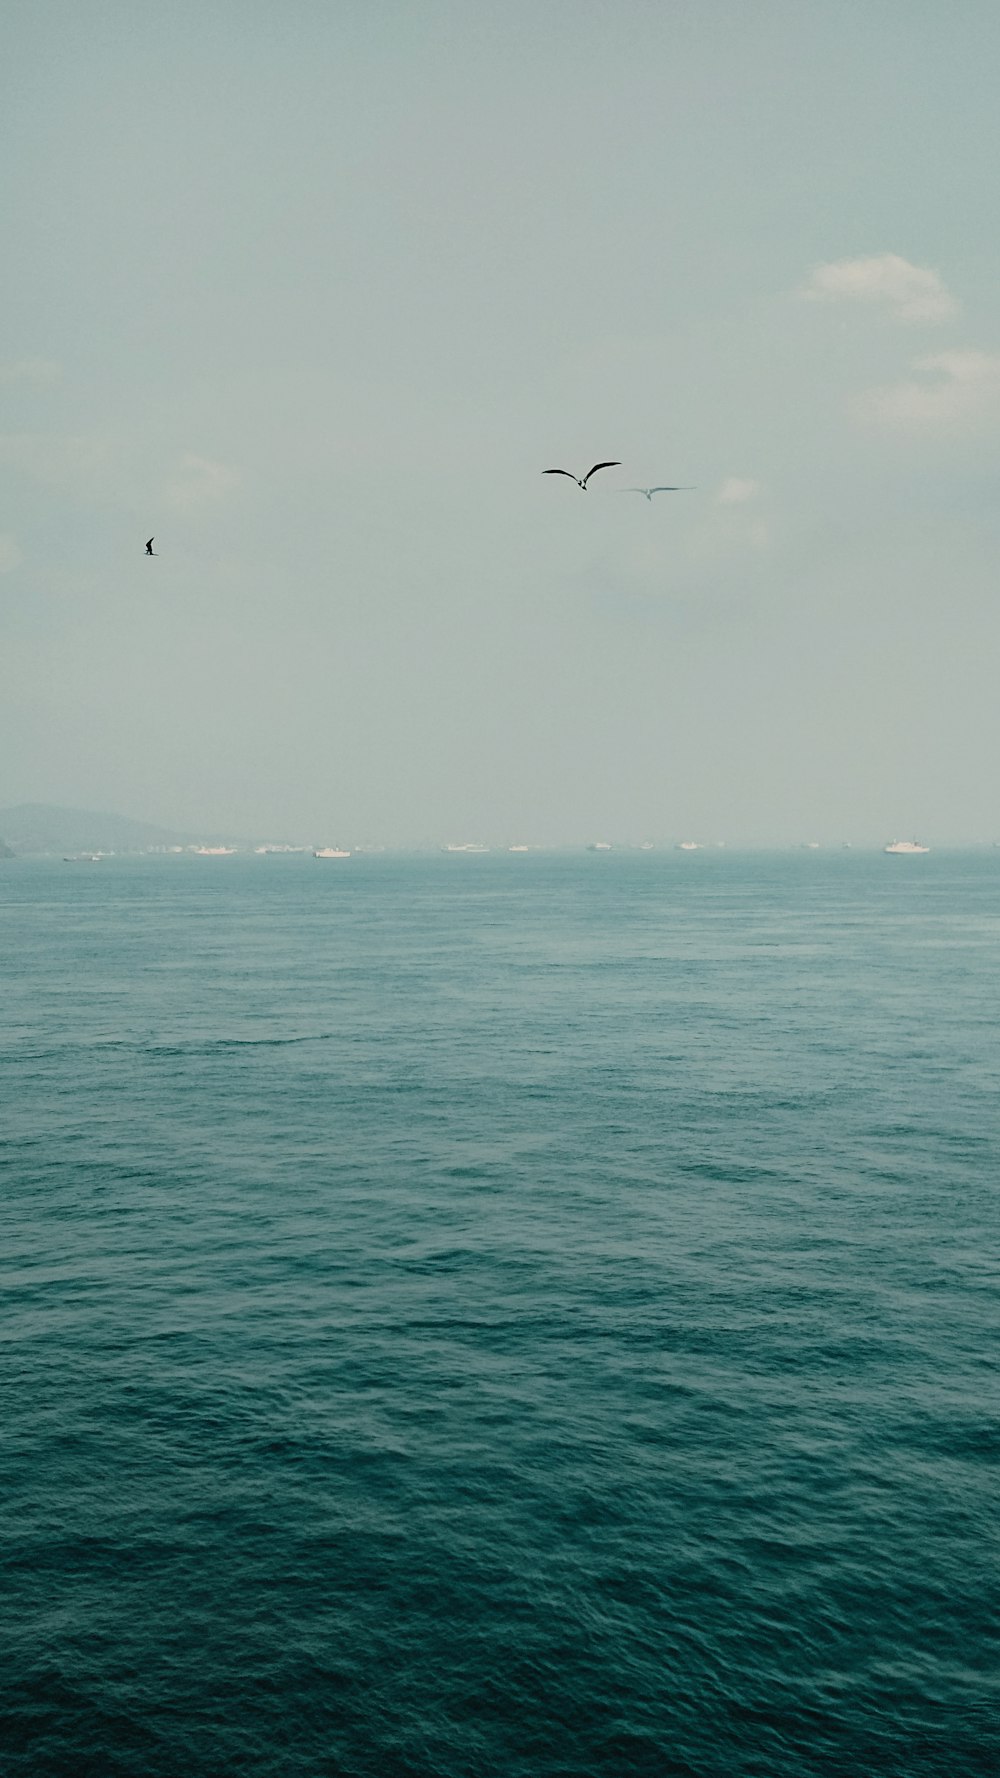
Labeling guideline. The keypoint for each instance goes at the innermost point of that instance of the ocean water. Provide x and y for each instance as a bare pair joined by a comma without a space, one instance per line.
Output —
500,1315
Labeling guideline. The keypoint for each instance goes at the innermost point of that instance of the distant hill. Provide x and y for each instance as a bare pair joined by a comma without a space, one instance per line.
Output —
39,827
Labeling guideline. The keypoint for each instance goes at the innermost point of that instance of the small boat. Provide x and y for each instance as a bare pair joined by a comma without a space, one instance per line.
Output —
331,852
689,846
905,848
600,846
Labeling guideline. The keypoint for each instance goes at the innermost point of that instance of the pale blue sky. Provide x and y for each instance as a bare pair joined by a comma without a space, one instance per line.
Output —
315,293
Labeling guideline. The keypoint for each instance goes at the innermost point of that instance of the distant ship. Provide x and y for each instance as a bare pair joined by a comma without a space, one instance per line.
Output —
600,846
906,847
689,846
470,847
214,851
331,852
517,848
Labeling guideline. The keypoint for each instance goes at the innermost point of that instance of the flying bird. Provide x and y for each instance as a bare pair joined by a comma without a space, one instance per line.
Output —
649,492
150,551
575,478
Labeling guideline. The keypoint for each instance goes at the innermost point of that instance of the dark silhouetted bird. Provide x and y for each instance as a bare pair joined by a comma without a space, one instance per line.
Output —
150,551
575,478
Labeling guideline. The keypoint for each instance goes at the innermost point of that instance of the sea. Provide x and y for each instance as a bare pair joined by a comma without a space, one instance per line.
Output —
500,1316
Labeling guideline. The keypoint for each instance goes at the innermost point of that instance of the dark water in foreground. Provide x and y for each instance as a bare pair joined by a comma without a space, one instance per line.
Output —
525,1316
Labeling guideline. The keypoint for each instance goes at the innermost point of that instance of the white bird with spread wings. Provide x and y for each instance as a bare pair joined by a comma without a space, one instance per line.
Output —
649,492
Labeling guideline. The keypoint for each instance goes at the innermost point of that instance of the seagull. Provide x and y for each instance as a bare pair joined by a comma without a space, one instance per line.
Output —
575,478
649,492
150,551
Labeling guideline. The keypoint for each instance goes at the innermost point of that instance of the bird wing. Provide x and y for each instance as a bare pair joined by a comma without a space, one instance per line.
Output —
683,489
148,542
597,466
633,490
568,472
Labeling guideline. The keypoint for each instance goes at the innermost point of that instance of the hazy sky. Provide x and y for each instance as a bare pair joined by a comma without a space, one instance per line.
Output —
315,292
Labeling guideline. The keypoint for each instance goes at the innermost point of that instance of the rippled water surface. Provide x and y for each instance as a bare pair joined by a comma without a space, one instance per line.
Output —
499,1315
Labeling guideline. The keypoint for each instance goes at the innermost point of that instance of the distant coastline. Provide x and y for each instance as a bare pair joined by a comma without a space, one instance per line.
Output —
48,830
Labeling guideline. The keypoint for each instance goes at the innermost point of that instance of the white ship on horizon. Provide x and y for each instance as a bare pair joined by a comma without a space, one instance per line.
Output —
905,848
330,852
689,846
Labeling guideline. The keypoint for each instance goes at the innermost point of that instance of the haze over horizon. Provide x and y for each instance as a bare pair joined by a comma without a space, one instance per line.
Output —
314,298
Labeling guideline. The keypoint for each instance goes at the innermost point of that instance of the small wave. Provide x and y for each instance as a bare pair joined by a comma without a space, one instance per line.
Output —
142,1047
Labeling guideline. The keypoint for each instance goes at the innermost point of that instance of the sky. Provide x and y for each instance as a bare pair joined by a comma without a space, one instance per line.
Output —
314,294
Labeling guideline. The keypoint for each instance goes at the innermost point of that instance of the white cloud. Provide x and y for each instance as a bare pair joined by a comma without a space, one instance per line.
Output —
10,555
88,466
79,462
29,370
736,490
198,482
952,389
910,292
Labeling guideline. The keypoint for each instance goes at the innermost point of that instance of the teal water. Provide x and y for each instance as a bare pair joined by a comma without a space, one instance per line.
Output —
499,1315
